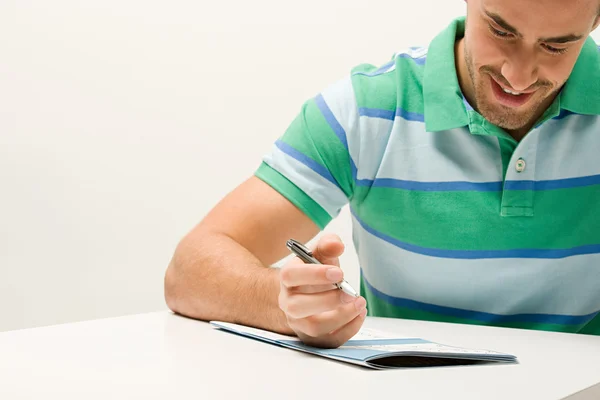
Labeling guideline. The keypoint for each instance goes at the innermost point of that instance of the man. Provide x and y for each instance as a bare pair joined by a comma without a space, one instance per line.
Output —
472,175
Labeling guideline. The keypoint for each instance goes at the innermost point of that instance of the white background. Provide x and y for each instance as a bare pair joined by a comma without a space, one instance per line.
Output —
123,122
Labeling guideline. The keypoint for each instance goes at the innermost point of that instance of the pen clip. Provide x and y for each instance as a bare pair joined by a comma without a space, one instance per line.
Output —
294,244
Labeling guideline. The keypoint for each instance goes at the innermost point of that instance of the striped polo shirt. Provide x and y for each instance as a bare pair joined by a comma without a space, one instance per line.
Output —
453,220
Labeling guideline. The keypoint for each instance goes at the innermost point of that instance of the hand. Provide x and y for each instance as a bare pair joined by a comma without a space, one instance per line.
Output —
318,312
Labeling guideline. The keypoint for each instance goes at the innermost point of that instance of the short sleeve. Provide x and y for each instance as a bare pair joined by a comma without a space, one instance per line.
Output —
311,163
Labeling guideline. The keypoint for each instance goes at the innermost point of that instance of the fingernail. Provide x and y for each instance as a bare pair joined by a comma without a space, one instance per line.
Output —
334,274
360,303
363,313
346,298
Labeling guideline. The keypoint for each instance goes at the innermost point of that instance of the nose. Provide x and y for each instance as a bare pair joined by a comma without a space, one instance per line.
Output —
520,69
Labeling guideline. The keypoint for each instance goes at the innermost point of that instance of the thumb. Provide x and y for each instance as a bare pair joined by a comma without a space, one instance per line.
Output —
328,249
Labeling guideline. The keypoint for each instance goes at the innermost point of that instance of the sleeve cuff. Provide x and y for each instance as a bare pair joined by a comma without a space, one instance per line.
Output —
295,195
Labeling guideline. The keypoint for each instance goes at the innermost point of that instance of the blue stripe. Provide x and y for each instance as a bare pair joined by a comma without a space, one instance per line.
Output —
390,115
337,128
454,186
482,317
410,116
376,113
432,186
331,120
304,159
520,185
568,183
480,254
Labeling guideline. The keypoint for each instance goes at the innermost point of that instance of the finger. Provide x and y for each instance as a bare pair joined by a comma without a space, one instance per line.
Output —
307,289
328,249
296,273
338,337
301,305
342,335
327,322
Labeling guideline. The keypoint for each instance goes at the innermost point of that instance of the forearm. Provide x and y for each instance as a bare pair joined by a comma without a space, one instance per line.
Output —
212,277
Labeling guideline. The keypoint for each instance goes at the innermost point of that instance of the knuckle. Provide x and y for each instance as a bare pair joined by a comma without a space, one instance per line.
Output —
293,308
286,275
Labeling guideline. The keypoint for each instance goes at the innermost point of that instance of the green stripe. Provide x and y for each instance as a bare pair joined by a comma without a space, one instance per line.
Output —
294,194
461,220
380,308
382,92
311,134
592,327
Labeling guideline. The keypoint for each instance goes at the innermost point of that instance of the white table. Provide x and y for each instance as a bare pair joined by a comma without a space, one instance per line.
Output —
164,356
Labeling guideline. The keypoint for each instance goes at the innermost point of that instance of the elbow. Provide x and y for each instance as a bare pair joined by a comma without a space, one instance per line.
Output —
171,288
183,281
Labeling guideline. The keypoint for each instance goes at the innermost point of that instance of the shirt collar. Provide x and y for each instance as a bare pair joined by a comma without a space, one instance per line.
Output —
445,106
581,92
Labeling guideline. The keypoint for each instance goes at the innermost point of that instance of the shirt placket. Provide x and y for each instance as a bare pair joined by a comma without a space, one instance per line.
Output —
519,182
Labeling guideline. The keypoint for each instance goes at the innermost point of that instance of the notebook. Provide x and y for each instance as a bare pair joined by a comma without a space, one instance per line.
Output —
379,350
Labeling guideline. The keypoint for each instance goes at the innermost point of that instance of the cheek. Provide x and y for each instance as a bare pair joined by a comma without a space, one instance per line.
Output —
557,69
485,51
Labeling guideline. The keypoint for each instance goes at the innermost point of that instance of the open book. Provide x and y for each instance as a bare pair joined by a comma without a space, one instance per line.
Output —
379,350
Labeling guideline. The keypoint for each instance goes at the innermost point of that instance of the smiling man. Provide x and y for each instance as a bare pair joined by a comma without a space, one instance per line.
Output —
472,174
515,57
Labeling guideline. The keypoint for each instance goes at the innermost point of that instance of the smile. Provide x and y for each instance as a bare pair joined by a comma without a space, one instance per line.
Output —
507,97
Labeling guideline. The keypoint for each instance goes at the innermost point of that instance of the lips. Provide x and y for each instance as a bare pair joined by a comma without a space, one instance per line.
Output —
506,99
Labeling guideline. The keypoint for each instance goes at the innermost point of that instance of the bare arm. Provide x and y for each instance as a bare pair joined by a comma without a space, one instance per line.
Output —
219,269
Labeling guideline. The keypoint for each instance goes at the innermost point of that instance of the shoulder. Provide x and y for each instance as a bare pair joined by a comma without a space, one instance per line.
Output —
378,87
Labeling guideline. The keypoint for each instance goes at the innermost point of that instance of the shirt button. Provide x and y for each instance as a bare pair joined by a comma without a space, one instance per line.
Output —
520,167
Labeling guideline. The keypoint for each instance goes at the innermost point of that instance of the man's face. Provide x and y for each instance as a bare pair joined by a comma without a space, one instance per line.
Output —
524,47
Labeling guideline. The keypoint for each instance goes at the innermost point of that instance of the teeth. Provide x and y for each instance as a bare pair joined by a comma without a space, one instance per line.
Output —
509,92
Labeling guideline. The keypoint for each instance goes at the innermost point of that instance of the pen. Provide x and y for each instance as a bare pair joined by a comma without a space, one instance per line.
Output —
306,255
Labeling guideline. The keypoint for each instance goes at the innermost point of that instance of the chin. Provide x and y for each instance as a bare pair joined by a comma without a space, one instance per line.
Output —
508,117
505,117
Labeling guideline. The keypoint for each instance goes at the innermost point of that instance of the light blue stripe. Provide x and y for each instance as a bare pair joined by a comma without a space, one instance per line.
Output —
376,113
467,104
353,354
479,316
379,71
304,159
337,128
383,342
419,61
474,284
389,65
391,115
432,186
481,254
410,116
331,120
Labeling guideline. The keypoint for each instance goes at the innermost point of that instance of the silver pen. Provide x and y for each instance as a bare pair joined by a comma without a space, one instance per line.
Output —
306,255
